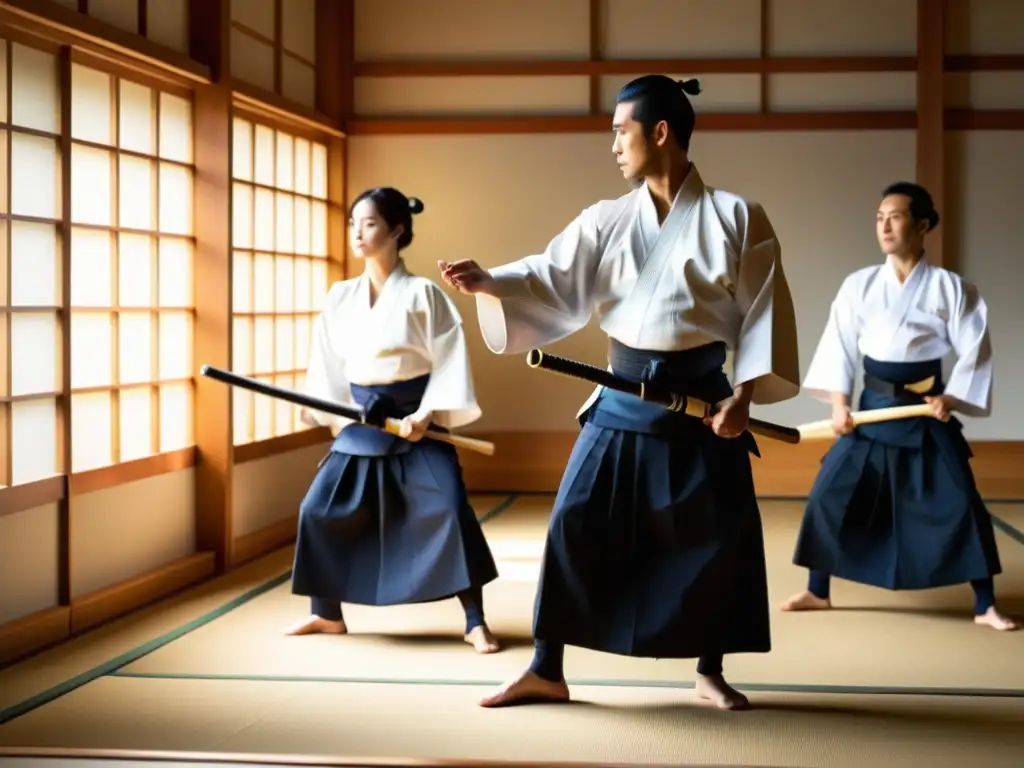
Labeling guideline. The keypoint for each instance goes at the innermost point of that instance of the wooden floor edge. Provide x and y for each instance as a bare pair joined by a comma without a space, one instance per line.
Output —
254,545
310,760
22,637
114,602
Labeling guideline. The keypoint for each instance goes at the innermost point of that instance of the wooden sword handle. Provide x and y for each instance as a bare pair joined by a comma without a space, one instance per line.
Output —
394,427
822,430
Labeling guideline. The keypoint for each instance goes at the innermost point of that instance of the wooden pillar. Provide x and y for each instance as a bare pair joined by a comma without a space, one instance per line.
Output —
65,588
335,57
596,44
209,40
931,109
766,46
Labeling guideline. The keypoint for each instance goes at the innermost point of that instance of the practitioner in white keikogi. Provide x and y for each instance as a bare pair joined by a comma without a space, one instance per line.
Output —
895,503
655,546
387,519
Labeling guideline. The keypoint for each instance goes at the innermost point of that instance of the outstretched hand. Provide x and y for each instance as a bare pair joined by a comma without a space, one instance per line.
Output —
467,276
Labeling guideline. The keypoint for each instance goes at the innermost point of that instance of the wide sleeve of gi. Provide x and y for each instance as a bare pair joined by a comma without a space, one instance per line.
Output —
834,365
325,371
970,381
545,297
766,347
450,396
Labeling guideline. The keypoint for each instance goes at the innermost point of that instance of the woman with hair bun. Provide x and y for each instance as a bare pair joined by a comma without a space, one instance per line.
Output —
387,519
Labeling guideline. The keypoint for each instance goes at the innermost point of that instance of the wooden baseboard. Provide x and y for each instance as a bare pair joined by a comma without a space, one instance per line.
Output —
128,757
533,462
34,632
265,540
115,601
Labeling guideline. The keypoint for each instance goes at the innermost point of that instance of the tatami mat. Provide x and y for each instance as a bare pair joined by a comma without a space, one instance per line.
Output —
874,638
108,647
442,722
1009,518
104,645
211,671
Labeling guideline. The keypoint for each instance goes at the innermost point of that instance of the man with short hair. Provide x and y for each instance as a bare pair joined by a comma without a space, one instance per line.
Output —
655,547
895,503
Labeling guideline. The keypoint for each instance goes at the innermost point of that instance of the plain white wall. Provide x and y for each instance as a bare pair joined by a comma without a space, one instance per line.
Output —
496,198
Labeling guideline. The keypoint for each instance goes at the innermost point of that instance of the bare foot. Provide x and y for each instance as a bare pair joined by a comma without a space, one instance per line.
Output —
528,688
713,688
480,637
806,601
314,625
996,620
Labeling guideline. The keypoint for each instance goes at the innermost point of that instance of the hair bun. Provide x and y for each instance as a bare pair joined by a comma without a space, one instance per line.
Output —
691,86
415,205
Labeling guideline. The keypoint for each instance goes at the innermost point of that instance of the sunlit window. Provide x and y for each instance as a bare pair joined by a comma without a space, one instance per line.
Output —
131,270
279,237
30,278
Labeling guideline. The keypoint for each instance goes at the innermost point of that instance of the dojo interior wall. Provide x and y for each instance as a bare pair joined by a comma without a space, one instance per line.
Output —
80,547
497,197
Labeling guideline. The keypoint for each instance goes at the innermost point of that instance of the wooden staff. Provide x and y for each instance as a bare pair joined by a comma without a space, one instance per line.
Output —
691,406
822,430
353,413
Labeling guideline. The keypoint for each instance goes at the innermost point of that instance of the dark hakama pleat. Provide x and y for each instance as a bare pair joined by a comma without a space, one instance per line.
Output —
895,505
387,521
655,547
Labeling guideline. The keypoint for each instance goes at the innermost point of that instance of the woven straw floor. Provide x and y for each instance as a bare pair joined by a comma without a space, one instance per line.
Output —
885,679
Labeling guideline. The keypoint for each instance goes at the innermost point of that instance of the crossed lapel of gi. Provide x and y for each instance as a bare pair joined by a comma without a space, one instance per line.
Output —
658,255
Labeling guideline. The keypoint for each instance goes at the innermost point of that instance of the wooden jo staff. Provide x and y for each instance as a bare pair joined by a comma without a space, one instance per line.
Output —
691,406
822,430
356,414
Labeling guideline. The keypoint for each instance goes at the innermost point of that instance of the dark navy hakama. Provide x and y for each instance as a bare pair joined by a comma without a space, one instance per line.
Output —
655,546
895,504
387,521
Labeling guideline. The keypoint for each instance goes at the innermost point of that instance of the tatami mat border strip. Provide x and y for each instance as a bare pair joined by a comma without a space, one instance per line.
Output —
45,697
113,667
877,690
496,510
1008,529
130,657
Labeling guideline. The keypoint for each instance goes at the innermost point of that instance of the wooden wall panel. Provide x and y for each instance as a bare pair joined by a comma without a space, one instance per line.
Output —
843,92
984,27
167,23
650,29
842,65
274,47
112,543
30,559
462,30
533,462
473,96
123,14
842,28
